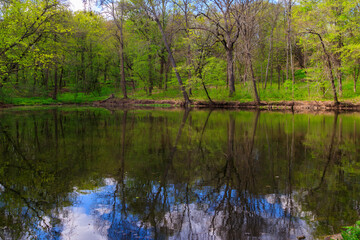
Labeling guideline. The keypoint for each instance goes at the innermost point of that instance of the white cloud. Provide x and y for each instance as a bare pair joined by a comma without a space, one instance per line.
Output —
81,226
76,5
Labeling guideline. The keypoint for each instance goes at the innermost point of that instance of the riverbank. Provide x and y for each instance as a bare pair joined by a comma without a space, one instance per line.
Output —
4,105
272,99
113,102
296,106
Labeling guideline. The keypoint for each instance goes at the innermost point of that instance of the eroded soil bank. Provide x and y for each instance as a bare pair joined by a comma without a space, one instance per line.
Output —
296,106
4,105
301,106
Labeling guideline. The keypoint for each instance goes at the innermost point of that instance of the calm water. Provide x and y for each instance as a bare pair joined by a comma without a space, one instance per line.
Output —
151,174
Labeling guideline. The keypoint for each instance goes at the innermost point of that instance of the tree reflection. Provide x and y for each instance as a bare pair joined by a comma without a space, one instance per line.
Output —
177,174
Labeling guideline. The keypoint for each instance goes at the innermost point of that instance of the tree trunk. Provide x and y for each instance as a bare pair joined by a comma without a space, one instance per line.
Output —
245,74
17,75
46,78
162,67
122,68
257,99
271,73
328,60
261,81
288,37
35,78
90,87
338,61
230,70
119,25
355,75
150,74
55,82
106,69
287,61
279,75
205,89
61,82
292,64
283,77
188,63
83,72
173,63
289,45
167,68
269,57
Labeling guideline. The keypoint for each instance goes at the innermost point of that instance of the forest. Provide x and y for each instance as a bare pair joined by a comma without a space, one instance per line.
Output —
238,50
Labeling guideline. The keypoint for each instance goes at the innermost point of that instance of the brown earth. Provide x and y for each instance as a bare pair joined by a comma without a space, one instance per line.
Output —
297,106
4,105
334,237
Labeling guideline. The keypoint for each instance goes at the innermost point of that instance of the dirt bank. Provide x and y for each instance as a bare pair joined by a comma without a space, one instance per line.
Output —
298,106
4,105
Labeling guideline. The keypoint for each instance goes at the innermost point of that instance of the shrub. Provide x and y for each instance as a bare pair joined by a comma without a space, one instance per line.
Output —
352,232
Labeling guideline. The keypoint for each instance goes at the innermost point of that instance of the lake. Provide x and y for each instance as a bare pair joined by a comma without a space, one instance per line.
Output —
91,173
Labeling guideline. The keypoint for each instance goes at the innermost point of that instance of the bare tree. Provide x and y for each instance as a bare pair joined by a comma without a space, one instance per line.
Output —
356,73
154,9
329,65
273,22
249,28
117,12
289,56
185,7
202,50
222,21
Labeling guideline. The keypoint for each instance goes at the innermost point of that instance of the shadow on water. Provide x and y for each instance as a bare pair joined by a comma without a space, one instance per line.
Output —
85,173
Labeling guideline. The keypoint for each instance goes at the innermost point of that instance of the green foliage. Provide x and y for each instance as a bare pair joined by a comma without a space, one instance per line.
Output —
45,47
214,72
352,232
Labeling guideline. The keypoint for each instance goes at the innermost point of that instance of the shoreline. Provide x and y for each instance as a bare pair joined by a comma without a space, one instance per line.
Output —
293,106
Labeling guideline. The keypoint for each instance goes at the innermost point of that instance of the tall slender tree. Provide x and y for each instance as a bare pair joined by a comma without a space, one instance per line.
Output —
154,9
222,20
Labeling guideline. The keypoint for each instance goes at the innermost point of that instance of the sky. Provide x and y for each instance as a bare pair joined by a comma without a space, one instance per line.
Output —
76,5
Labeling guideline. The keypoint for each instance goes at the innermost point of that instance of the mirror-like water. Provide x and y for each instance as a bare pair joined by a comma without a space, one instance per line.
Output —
151,174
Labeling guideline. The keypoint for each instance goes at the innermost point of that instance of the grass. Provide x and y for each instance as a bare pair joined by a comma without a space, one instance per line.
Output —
301,91
352,232
67,98
172,93
62,98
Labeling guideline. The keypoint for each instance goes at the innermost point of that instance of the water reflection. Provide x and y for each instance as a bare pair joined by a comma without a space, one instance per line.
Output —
94,174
